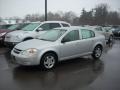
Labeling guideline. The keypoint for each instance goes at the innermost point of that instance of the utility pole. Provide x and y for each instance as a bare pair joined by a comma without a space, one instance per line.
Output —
45,10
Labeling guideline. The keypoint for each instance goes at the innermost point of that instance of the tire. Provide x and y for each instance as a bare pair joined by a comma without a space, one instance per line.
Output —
110,39
97,52
48,61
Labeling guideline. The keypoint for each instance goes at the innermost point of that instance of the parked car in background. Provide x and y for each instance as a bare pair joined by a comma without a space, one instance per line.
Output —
11,28
105,31
5,26
57,45
32,31
116,32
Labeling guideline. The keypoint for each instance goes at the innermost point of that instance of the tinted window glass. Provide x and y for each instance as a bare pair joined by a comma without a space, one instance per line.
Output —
48,26
87,34
45,26
65,25
72,36
54,25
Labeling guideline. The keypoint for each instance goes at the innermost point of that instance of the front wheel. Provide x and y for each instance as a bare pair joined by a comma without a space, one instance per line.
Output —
97,52
48,61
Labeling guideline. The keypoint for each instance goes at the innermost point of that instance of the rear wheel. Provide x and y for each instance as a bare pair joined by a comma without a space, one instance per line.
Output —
48,61
97,52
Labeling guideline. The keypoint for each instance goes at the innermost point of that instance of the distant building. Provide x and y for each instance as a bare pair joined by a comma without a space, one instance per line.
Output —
10,21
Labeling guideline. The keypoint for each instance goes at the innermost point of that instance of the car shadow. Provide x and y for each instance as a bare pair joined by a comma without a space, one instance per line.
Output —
68,75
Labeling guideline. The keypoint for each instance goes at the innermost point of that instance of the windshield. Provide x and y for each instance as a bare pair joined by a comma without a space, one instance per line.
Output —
21,26
31,27
5,26
13,27
52,35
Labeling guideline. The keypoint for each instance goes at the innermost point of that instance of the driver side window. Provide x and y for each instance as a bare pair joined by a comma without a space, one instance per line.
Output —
45,26
71,36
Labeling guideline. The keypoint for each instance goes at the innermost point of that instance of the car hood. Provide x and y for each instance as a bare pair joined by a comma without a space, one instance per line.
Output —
4,30
18,32
34,43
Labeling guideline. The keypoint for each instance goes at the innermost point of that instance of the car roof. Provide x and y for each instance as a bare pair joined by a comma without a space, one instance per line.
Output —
55,22
74,28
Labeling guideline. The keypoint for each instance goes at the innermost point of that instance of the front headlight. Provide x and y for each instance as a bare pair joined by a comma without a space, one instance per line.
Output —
1,34
29,52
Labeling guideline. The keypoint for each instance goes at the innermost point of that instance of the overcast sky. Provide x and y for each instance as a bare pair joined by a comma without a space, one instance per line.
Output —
10,8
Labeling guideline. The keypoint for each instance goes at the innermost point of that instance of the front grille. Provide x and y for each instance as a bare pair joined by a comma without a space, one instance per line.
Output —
17,51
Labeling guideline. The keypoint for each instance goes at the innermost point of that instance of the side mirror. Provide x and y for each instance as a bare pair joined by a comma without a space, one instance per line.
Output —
39,29
65,40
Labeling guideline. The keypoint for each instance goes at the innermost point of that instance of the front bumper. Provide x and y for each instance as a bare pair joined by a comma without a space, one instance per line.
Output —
23,60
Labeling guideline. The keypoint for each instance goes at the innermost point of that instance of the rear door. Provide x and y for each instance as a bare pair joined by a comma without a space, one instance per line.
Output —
86,42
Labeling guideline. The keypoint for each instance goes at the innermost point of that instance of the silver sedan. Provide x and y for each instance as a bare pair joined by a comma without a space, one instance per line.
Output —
57,45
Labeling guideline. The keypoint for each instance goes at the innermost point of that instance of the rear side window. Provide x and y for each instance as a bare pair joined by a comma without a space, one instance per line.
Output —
54,25
65,25
87,34
48,26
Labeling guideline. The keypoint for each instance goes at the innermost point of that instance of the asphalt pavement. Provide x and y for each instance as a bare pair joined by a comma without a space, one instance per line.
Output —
77,74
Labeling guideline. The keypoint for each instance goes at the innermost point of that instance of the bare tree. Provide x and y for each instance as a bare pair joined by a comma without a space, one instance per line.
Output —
113,18
86,17
101,12
96,16
69,17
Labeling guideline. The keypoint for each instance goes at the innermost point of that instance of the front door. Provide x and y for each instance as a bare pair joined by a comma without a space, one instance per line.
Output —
69,46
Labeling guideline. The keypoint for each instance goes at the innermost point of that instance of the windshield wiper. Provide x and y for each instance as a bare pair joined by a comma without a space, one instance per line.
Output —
44,39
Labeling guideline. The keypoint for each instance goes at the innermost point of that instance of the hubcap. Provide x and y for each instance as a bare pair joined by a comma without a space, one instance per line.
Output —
98,52
49,62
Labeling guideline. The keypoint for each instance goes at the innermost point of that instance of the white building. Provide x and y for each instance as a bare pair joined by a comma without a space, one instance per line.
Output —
10,21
